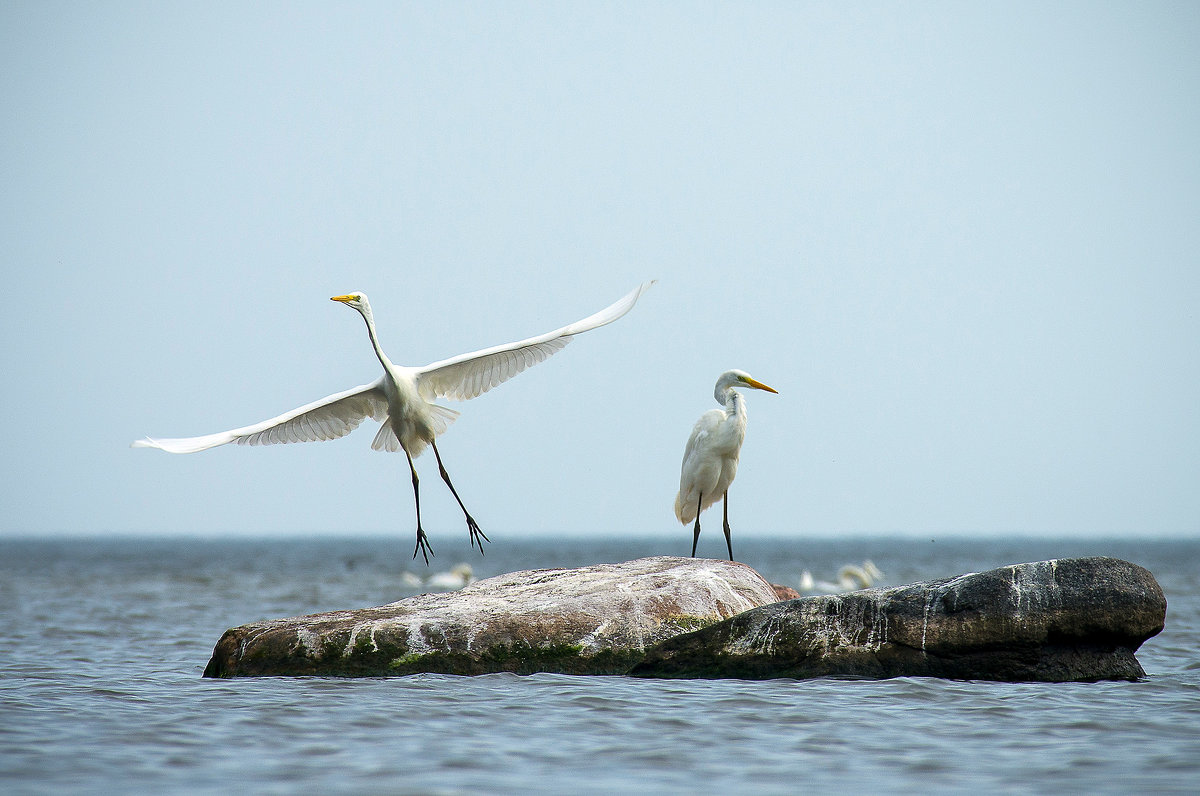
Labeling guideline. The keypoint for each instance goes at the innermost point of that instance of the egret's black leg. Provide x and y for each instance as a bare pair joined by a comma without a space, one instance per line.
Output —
725,504
422,540
477,536
696,530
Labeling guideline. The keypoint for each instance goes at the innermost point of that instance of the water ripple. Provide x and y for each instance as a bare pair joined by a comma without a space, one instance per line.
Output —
100,691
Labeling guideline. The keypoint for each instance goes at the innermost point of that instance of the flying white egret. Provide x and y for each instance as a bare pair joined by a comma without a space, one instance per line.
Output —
402,398
711,457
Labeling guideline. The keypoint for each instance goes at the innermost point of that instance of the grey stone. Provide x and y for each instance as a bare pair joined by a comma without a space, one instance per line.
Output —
1066,620
593,620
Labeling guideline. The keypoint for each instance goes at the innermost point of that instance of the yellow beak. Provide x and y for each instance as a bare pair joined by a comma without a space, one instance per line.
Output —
758,385
343,299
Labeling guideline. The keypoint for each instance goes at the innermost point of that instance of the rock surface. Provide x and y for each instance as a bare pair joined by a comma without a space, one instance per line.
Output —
1066,620
784,592
593,620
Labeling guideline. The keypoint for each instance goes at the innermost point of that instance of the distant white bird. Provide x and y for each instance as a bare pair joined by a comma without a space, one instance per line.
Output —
711,457
458,576
850,578
402,398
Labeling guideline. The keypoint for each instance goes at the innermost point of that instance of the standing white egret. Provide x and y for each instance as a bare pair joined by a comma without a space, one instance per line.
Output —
402,398
711,457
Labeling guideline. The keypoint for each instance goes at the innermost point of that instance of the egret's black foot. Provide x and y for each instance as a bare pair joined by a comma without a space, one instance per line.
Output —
478,537
422,546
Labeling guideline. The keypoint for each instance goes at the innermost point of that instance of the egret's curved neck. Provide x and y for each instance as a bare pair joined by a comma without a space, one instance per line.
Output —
383,359
732,400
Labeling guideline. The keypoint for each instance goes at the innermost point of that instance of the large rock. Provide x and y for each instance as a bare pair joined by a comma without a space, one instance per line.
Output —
594,620
1066,620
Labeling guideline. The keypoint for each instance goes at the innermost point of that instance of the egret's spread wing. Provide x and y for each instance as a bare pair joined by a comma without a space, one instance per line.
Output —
329,418
462,378
468,375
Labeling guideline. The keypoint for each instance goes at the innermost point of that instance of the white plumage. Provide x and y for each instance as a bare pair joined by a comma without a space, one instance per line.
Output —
710,459
402,400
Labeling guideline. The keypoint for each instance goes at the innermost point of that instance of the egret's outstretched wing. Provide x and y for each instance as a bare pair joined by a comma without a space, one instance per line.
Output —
329,418
468,375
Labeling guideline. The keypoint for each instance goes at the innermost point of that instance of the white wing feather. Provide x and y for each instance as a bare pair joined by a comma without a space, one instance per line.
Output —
329,418
469,375
697,458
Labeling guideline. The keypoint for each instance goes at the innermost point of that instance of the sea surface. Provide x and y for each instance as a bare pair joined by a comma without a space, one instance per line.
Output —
104,642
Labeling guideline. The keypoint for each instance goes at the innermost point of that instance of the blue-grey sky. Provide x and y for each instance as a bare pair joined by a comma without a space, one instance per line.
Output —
961,239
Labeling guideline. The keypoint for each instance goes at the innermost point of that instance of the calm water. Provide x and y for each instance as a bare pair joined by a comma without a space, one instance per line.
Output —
104,643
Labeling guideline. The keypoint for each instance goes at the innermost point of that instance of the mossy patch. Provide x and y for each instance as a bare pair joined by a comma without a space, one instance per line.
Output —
686,623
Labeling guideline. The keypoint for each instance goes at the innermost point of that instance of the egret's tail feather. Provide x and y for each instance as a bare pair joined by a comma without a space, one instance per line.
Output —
442,418
386,440
685,509
415,441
